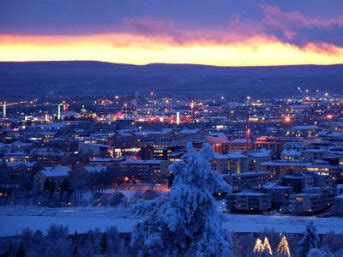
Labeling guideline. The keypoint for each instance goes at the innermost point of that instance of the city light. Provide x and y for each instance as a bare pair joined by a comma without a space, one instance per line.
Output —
171,128
329,116
287,119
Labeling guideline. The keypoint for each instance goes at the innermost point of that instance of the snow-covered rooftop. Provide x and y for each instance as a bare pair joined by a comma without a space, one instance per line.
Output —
260,153
291,152
20,164
95,169
59,171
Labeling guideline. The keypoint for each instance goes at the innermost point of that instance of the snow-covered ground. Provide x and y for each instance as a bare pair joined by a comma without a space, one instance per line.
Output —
281,224
14,220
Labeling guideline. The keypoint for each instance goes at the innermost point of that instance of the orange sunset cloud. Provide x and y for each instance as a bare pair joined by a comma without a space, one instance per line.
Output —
196,48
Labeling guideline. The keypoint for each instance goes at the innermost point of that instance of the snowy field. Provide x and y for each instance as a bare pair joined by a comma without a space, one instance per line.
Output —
13,221
281,224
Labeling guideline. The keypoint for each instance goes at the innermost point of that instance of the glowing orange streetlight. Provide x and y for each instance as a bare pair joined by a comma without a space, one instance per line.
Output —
287,119
329,116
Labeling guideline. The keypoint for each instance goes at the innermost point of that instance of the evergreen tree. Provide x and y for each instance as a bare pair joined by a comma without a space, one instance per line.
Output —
75,238
39,242
8,253
236,245
26,237
170,180
75,242
75,252
21,251
113,241
65,187
103,243
186,221
310,240
315,252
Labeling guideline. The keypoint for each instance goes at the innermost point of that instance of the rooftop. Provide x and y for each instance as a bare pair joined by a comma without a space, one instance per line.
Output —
59,171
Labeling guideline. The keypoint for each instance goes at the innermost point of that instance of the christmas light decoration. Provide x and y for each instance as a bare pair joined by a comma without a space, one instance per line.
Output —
258,246
266,246
283,247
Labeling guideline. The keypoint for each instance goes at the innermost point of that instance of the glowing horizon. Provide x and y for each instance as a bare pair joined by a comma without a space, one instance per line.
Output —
141,49
221,33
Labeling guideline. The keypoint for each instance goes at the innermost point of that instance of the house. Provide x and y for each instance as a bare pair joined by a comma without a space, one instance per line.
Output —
217,140
47,156
147,170
291,154
249,202
20,166
314,154
17,156
298,181
256,157
282,167
271,143
280,195
238,145
247,180
94,149
306,203
56,175
230,163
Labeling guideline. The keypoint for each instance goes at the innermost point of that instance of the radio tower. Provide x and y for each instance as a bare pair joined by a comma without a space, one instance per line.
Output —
4,110
59,111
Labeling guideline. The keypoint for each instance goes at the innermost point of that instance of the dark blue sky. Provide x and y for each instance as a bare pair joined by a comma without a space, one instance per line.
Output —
62,17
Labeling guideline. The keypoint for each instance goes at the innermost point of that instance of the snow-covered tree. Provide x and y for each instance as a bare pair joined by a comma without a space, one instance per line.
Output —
57,242
333,242
186,221
310,240
21,251
236,247
315,252
339,253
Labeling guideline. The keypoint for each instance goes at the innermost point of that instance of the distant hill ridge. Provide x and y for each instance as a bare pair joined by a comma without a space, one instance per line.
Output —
91,77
